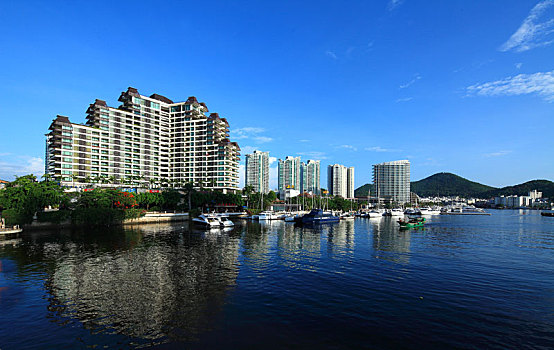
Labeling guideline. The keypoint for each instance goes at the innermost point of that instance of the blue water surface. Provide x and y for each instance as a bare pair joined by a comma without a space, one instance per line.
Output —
460,282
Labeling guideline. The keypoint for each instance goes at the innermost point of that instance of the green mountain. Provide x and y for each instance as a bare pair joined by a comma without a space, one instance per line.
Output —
447,184
544,186
363,190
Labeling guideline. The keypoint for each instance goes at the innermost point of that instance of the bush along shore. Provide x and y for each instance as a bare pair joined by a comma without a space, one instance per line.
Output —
24,200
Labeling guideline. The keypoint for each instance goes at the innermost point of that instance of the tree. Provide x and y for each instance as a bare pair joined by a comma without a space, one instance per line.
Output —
189,188
26,196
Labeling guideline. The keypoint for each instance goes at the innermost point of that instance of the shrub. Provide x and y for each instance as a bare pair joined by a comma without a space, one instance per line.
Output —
97,216
16,217
54,217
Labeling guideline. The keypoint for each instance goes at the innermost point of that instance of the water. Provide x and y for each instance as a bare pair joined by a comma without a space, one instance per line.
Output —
461,282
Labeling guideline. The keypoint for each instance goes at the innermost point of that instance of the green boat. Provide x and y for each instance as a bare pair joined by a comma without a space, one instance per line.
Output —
412,222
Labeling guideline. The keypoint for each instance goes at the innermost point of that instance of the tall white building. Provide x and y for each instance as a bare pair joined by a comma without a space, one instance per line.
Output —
257,171
289,173
148,141
392,180
350,182
340,181
311,177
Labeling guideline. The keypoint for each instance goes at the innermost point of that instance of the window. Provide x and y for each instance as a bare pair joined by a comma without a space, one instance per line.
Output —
95,151
94,157
66,134
95,139
67,166
66,147
66,172
66,140
65,127
65,153
69,160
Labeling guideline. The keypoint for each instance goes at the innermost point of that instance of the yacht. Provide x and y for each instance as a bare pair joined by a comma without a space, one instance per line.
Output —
375,213
268,215
347,216
463,210
548,212
430,211
207,220
318,216
393,212
224,221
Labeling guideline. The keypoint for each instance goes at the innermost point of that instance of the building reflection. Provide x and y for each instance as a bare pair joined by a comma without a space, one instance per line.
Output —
298,248
389,242
164,289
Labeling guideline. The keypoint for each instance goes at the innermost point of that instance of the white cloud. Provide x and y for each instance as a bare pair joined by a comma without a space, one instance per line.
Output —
393,4
497,154
242,174
315,155
518,65
245,133
380,149
534,31
350,147
405,99
411,82
541,83
304,140
331,54
272,160
273,177
252,133
14,165
262,139
248,149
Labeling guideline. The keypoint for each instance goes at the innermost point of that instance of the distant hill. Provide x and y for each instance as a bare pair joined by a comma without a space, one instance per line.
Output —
447,184
544,186
363,190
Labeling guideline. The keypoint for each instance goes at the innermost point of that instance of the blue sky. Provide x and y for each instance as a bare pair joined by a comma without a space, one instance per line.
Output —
459,86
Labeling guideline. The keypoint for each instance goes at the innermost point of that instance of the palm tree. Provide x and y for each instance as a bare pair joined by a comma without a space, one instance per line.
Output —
46,177
189,188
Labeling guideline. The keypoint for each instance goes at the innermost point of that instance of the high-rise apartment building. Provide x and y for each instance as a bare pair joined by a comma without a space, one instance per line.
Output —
257,171
392,180
145,141
350,182
289,173
310,174
340,181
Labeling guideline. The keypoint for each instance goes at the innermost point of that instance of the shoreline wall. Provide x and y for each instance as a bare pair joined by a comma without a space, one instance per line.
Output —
148,218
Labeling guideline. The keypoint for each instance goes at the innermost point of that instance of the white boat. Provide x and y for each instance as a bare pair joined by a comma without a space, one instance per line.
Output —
430,211
347,216
224,221
207,220
413,211
268,215
393,212
374,214
463,210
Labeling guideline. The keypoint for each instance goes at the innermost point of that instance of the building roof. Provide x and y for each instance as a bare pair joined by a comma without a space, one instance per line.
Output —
396,162
161,98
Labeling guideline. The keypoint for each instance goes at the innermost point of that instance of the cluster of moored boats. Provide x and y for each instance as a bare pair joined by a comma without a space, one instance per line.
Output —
320,216
213,220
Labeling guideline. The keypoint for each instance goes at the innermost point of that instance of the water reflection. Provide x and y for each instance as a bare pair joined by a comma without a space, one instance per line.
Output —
171,286
389,241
